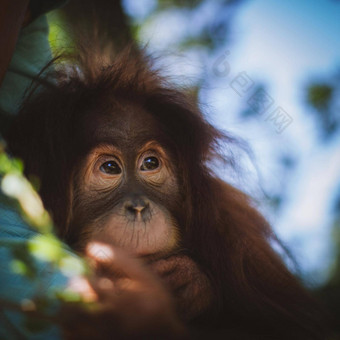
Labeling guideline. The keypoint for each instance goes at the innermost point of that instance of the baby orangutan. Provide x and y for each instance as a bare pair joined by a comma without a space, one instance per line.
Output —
125,158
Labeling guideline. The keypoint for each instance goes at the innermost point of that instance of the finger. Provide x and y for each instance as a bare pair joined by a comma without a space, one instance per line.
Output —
173,262
175,271
164,267
114,259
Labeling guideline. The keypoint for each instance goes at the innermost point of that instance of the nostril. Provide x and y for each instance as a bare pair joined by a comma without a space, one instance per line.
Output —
130,208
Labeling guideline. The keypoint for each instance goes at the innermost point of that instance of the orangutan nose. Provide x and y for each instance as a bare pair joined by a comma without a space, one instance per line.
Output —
138,206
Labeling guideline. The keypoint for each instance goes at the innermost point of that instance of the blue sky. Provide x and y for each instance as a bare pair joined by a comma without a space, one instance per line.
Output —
295,31
285,44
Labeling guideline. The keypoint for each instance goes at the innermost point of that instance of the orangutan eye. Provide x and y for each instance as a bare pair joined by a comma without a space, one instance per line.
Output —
110,168
149,163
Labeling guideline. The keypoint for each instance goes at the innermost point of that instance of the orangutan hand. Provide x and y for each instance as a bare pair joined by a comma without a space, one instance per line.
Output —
190,286
131,302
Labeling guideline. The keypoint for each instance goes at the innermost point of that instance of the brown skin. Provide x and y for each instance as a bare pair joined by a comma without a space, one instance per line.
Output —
215,249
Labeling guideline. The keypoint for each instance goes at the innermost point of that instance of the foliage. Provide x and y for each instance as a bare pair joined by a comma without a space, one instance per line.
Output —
44,247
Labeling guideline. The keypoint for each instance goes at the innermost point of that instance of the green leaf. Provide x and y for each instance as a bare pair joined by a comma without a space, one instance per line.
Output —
46,248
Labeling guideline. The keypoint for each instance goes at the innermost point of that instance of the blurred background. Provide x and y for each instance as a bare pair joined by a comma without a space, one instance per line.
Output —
269,72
